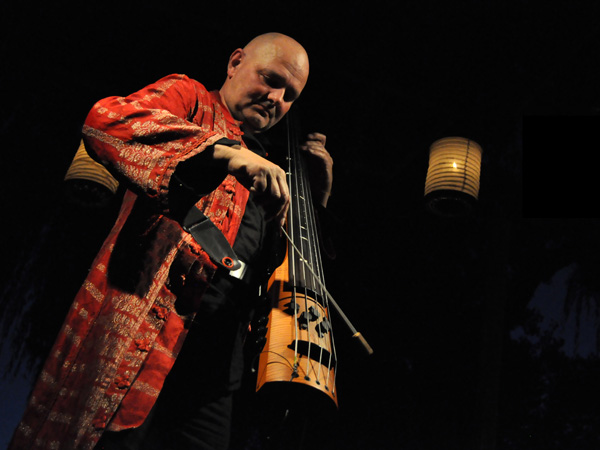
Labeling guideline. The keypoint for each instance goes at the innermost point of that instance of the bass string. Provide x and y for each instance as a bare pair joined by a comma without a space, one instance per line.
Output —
297,267
311,253
307,256
306,253
295,229
327,328
300,233
292,260
327,298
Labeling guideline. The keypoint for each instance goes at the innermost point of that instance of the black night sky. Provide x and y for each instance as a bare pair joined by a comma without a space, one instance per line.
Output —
484,327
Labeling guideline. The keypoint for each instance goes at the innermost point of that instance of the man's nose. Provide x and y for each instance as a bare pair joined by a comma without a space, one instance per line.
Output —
276,96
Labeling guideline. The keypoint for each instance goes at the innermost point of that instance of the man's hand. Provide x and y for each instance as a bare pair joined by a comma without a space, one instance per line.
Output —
320,167
266,180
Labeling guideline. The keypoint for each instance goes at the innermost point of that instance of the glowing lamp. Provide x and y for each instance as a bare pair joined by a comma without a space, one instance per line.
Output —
88,182
452,184
83,167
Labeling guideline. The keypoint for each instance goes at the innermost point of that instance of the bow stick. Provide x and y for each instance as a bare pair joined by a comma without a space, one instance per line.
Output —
355,334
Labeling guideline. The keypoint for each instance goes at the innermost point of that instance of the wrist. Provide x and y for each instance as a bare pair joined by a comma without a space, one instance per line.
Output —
322,197
224,154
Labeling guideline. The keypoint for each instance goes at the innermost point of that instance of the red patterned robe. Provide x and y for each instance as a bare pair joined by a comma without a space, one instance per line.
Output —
124,329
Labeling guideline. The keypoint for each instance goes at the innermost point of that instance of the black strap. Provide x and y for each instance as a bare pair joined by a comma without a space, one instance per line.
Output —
212,241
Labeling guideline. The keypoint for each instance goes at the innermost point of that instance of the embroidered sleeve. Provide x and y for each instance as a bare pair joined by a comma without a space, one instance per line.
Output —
142,137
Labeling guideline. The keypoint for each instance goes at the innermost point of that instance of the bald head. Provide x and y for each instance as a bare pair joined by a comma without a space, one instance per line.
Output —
280,46
264,79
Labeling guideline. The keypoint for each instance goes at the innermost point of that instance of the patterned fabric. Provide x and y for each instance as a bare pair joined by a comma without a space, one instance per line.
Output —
130,317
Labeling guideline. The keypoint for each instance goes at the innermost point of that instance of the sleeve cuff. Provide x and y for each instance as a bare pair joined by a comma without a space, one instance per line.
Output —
194,178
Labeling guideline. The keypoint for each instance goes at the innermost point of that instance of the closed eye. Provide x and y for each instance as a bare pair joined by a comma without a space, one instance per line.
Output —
276,81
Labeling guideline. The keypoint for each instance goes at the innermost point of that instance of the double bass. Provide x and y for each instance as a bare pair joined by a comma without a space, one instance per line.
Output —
299,347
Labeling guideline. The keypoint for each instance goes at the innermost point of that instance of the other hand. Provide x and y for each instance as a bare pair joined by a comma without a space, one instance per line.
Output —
320,167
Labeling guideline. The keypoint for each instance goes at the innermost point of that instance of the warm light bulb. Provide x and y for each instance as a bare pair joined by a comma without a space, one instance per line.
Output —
454,165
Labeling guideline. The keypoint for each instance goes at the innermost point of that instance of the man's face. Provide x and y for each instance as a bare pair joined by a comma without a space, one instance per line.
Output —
263,84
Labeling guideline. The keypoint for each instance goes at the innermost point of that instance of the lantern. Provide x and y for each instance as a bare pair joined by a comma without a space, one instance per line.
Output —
84,167
89,184
452,184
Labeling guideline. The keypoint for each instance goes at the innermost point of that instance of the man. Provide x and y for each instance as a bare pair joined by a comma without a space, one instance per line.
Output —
158,291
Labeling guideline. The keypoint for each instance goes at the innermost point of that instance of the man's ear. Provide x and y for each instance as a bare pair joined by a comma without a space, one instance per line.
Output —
234,61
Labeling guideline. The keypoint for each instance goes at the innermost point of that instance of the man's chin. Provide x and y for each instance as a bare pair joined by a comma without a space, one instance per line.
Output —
257,125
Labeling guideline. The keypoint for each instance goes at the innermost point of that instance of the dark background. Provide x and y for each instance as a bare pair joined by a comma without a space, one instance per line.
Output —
460,359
